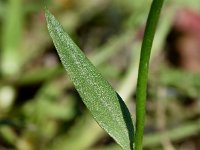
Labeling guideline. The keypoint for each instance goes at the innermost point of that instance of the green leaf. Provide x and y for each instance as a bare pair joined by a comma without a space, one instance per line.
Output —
107,108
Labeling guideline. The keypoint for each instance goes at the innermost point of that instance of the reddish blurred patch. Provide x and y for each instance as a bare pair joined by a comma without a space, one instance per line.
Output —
188,21
184,41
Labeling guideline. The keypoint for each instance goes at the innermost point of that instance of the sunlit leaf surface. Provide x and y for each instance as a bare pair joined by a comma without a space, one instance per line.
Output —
107,108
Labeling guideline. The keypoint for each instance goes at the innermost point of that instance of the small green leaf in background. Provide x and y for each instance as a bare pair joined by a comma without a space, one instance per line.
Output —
107,108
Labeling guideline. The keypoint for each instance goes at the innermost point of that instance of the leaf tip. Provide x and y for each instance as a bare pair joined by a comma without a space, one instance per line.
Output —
47,13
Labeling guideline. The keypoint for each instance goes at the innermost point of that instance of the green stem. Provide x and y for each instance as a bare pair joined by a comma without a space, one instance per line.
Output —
143,70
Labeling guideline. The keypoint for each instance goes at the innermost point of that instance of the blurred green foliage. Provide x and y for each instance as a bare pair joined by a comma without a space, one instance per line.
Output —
39,108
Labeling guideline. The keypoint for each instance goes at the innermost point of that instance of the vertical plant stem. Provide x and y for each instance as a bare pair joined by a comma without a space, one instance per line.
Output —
143,70
11,38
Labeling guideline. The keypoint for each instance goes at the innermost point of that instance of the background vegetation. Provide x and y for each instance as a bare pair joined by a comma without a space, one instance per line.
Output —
41,110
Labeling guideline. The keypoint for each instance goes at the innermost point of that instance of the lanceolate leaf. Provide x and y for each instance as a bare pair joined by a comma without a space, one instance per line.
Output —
107,108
